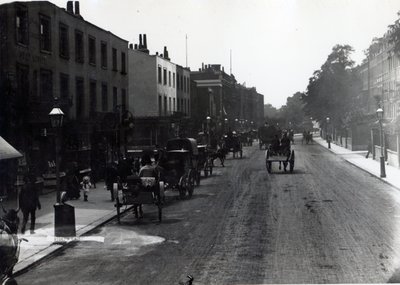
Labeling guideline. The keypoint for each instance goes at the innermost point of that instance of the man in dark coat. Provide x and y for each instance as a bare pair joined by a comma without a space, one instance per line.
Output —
29,202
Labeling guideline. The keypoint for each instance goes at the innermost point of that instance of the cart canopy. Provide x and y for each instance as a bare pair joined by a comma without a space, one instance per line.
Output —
188,144
7,151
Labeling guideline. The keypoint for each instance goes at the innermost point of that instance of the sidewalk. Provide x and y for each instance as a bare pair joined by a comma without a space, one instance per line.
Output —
88,215
357,158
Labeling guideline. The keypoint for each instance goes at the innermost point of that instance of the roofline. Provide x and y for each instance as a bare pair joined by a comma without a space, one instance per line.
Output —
65,11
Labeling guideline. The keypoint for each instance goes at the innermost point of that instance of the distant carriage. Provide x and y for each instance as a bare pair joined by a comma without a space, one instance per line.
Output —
180,165
232,143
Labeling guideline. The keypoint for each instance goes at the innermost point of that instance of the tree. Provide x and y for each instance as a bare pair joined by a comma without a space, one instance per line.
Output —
394,35
330,92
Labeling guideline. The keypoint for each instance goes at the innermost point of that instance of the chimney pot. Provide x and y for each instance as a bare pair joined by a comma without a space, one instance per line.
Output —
135,46
70,6
140,41
202,66
145,41
77,8
131,46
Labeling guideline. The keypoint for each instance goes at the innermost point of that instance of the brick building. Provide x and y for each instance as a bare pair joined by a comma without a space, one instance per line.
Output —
48,52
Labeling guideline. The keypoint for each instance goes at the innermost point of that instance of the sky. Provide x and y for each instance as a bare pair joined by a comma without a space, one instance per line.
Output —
276,44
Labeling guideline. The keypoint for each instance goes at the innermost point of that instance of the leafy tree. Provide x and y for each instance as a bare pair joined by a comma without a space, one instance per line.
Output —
394,35
330,91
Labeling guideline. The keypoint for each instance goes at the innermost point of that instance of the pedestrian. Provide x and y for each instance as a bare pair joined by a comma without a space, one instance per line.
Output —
85,187
29,202
73,182
111,178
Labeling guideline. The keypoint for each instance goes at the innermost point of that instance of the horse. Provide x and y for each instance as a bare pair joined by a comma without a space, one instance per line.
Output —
9,243
221,154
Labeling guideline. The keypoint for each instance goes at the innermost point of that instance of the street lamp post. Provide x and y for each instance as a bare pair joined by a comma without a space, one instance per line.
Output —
208,129
379,114
56,118
64,215
328,137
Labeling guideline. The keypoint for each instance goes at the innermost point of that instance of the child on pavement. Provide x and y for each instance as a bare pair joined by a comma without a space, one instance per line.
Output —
85,186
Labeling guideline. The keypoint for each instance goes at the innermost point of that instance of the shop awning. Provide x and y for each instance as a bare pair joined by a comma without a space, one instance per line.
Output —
7,151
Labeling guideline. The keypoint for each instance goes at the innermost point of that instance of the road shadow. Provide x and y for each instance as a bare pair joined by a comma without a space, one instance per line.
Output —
282,172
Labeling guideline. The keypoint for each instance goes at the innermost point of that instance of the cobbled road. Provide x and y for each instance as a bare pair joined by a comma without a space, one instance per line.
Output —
328,222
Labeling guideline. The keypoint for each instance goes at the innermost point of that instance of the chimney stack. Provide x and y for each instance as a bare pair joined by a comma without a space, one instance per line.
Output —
131,46
77,9
70,7
202,66
135,46
140,41
166,53
144,41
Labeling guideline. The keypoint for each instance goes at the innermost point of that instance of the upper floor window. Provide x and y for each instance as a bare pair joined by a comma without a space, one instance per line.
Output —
114,59
45,33
159,75
46,84
115,98
92,50
169,78
80,98
64,86
177,82
21,22
173,80
64,41
79,54
123,63
104,97
165,76
104,54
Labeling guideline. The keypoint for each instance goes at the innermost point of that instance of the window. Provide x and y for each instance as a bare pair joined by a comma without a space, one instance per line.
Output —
79,54
21,22
165,105
181,80
173,105
169,104
115,98
169,78
46,84
103,54
45,33
92,50
173,80
123,63
165,76
123,99
159,75
184,84
64,86
178,101
114,59
93,98
80,98
159,105
104,97
22,86
177,81
64,41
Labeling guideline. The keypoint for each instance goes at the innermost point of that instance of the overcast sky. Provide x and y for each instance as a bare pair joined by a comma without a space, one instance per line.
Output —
276,44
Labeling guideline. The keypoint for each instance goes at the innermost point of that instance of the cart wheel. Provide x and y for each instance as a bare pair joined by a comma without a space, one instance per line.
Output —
190,184
117,204
269,166
159,205
291,166
182,191
198,178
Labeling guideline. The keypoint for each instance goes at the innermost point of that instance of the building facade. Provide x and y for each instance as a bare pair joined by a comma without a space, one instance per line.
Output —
48,52
159,95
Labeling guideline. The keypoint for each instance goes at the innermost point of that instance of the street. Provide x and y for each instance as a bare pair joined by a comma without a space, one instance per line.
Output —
327,222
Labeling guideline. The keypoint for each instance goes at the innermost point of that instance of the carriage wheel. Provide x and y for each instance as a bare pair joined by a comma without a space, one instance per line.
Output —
269,166
198,177
159,206
292,161
205,169
117,204
190,184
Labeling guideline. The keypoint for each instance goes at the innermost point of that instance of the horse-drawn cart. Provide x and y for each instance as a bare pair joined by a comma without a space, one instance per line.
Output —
138,191
284,158
233,144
